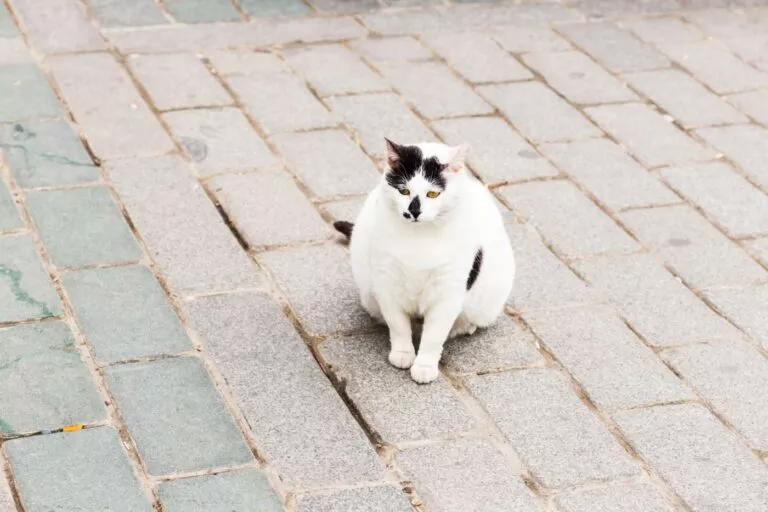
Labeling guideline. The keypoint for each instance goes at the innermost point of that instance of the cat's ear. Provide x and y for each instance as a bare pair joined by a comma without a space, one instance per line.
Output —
393,152
459,158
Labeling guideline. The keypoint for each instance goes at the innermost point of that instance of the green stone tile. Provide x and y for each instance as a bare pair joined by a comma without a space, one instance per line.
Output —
82,227
344,6
126,13
44,385
176,417
26,291
202,11
275,8
124,314
9,214
7,27
85,471
25,94
46,154
239,491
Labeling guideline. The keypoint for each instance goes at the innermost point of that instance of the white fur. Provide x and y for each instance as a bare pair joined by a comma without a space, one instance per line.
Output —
406,269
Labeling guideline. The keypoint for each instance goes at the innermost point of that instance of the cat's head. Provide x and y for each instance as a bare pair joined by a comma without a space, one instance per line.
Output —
422,179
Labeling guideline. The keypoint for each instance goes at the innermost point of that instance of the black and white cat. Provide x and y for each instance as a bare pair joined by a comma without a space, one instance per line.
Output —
430,242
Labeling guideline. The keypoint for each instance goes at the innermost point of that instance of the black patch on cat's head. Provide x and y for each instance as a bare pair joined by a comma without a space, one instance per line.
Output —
406,161
433,172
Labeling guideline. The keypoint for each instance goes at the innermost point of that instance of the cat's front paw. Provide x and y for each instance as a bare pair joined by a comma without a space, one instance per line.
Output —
424,373
402,359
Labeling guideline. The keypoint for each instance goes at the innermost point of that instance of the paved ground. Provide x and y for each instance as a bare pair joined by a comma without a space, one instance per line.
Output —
168,277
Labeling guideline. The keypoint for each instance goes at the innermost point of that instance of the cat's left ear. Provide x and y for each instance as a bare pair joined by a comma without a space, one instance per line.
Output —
459,158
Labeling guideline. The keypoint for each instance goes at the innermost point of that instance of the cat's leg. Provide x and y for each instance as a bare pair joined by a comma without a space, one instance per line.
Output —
401,353
463,326
437,325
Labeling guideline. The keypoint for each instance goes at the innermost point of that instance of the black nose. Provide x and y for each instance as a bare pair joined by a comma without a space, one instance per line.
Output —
415,207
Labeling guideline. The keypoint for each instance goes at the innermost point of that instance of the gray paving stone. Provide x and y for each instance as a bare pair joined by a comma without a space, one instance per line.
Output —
91,462
60,27
664,30
651,138
743,145
267,208
746,307
703,462
344,210
201,11
106,105
539,113
25,288
465,475
727,23
607,172
184,233
13,51
310,437
118,13
660,308
753,103
344,6
398,23
219,140
175,416
334,69
6,500
366,499
544,13
601,9
245,62
274,8
81,227
44,385
617,498
529,38
692,247
556,436
418,82
7,27
391,49
124,314
244,490
328,163
759,247
727,198
25,94
496,152
9,214
752,48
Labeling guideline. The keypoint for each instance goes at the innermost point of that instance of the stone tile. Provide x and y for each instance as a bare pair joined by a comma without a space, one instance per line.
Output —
310,437
759,247
344,6
660,308
664,30
13,51
25,94
219,140
201,11
646,134
106,105
48,468
601,9
727,23
59,28
191,246
44,385
328,163
369,499
539,113
9,214
556,436
344,210
274,8
245,63
746,308
465,475
124,314
81,227
692,247
196,432
616,498
398,23
752,48
698,457
529,38
544,13
26,292
7,26
247,489
753,103
743,145
6,500
391,49
496,152
136,13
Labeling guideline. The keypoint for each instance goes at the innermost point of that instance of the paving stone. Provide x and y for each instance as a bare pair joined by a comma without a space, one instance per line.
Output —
727,23
6,500
25,288
400,22
660,308
497,153
727,198
81,227
328,163
45,154
60,27
538,112
274,8
465,475
664,30
607,172
344,210
119,13
601,352
344,6
600,9
617,498
753,103
529,38
48,468
692,247
267,208
9,214
195,433
752,48
391,49
368,499
542,13
310,437
578,78
44,385
25,94
476,56
703,462
178,80
219,140
333,69
228,63
184,233
419,81
746,307
124,314
13,51
743,145
759,247
613,47
556,436
7,27
202,11
247,489
106,105
651,138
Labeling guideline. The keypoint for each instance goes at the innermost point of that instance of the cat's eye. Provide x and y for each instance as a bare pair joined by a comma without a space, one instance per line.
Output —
432,194
405,191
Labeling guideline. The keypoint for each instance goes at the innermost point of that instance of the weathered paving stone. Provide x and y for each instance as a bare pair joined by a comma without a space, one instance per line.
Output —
85,470
538,112
333,69
617,498
747,308
600,9
44,385
26,291
465,475
752,48
245,490
81,227
556,436
310,437
13,51
727,23
391,49
344,6
703,462
470,17
136,13
7,27
124,314
274,8
344,210
6,500
753,103
496,152
529,38
175,416
192,247
244,63
9,214
759,247
369,499
25,94
201,11
744,145
664,30
60,27
397,23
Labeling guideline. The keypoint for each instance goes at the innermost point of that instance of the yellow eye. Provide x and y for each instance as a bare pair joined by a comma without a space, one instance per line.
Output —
432,194
405,191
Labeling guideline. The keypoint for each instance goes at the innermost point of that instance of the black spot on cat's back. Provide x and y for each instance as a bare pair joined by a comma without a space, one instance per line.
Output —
475,270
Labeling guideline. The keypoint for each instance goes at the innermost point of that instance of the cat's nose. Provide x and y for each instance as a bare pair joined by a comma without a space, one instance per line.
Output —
415,208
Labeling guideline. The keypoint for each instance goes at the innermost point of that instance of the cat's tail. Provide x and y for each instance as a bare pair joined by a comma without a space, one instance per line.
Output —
344,227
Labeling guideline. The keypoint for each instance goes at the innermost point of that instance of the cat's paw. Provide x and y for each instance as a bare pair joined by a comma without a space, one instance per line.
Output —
402,359
424,373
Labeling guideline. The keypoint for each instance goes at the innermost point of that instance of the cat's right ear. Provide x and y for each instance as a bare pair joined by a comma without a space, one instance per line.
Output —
393,153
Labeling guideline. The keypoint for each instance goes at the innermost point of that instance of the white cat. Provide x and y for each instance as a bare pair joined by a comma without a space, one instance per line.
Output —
429,242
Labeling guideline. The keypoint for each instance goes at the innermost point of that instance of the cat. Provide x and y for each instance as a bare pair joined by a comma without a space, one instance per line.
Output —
429,243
